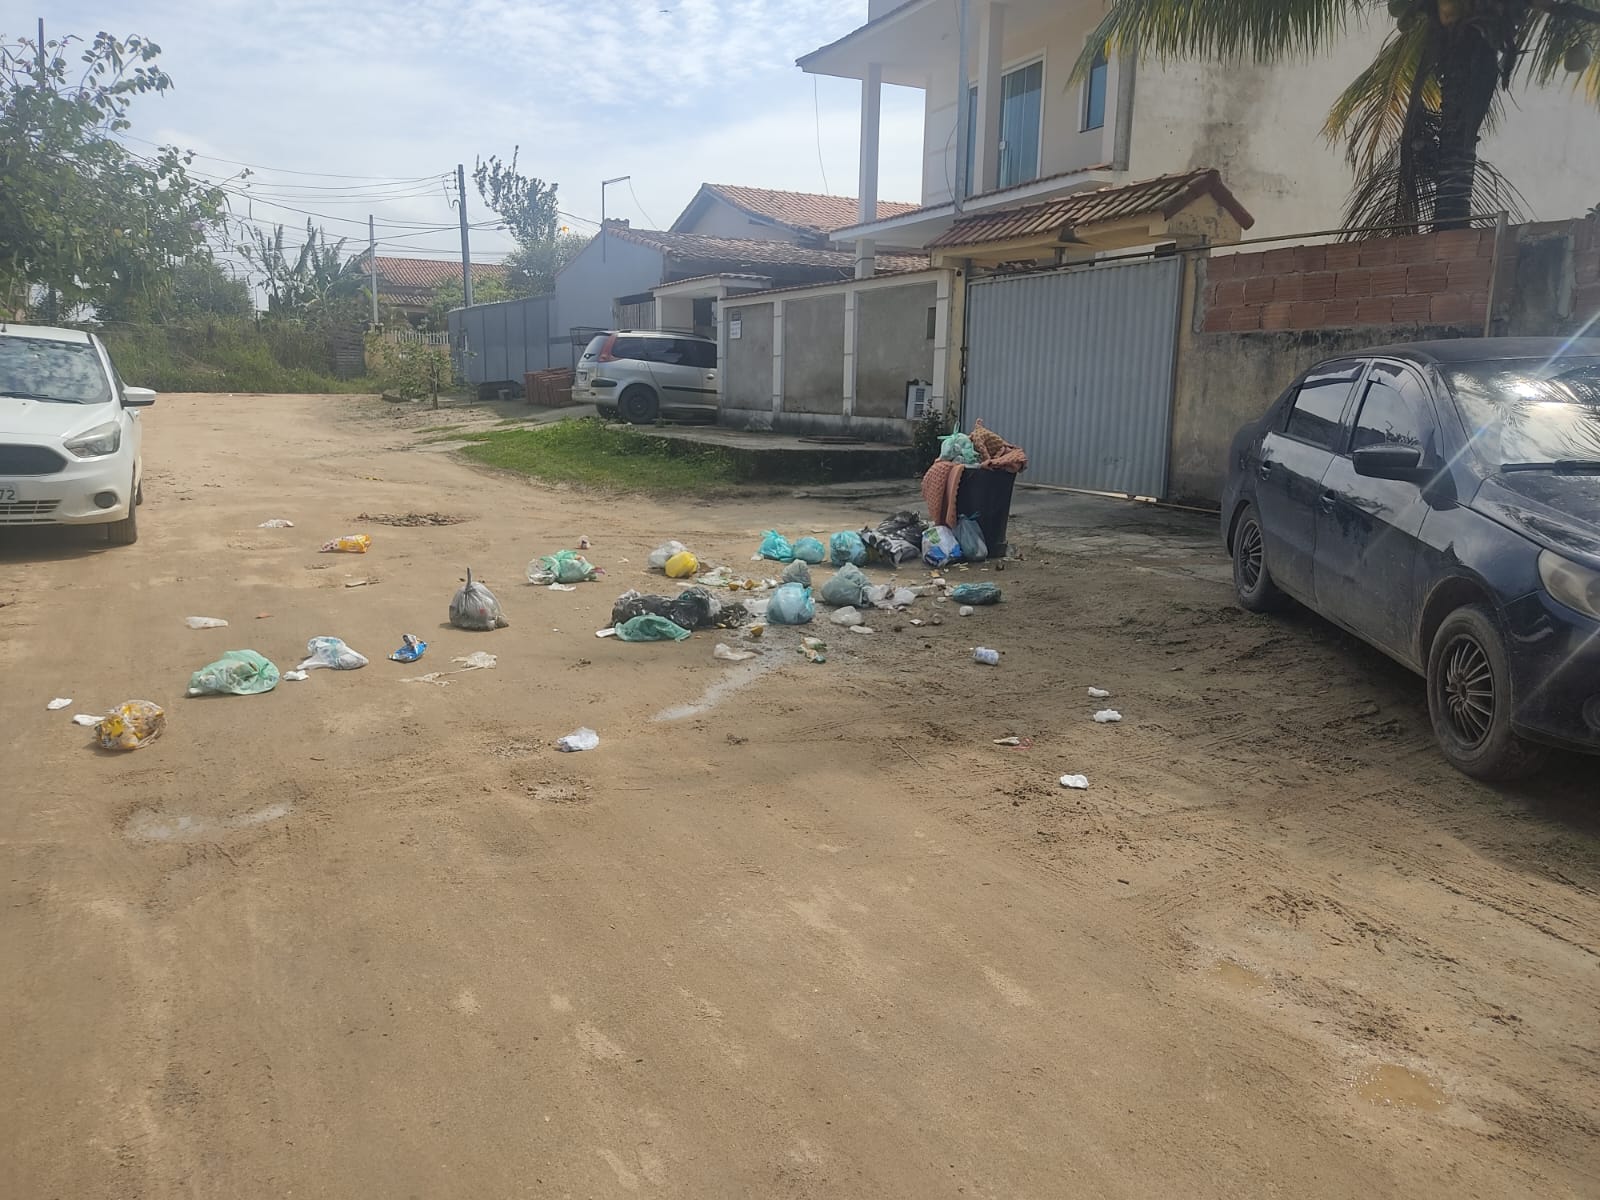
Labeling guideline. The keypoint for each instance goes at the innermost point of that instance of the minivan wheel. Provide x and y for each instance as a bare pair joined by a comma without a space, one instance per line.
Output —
1469,700
639,405
1252,581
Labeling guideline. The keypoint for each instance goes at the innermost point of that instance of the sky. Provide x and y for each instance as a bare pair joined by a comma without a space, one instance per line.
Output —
671,92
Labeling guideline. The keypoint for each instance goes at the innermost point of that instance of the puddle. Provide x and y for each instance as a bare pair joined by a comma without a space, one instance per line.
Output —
1240,979
1400,1087
737,679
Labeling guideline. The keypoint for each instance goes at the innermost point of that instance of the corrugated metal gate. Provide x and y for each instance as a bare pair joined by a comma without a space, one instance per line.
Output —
1076,368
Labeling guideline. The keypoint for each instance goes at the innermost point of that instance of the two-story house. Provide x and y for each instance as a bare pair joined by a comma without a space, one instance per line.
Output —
1032,135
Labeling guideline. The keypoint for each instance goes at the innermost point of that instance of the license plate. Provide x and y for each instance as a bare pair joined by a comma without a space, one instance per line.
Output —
583,377
8,494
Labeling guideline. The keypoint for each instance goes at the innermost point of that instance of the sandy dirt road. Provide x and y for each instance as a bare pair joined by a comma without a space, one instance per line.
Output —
816,937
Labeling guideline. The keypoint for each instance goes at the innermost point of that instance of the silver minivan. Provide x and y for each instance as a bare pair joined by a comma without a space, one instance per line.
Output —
642,375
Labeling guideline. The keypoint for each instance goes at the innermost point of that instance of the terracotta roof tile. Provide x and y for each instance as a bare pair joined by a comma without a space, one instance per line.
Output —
805,212
720,254
1164,195
424,274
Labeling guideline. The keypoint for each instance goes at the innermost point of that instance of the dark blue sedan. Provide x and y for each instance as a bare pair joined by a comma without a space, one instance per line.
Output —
1442,502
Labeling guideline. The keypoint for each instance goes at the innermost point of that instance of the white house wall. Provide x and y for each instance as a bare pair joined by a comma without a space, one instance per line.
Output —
587,285
718,218
1260,126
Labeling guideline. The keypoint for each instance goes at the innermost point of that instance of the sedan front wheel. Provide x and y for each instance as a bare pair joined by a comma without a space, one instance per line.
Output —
1469,699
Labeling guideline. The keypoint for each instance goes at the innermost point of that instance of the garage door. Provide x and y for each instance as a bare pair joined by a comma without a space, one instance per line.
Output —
1076,368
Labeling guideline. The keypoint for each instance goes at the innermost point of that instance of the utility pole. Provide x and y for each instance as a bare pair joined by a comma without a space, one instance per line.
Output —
372,268
466,250
604,184
41,51
963,104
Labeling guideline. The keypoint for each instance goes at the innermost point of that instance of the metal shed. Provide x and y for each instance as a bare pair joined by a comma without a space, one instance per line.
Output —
495,345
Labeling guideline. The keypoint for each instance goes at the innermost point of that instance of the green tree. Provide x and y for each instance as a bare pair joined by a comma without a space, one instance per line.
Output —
200,287
313,280
1412,120
486,289
84,221
531,269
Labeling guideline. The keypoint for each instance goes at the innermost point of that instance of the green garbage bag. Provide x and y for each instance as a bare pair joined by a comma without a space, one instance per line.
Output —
236,673
975,593
648,627
564,566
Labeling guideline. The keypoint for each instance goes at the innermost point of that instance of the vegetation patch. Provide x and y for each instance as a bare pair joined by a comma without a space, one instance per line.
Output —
592,454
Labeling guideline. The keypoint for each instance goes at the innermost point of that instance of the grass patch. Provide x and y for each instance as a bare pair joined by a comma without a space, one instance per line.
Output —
226,355
592,454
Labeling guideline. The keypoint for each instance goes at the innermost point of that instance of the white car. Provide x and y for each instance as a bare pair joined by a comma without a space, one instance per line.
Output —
69,433
645,374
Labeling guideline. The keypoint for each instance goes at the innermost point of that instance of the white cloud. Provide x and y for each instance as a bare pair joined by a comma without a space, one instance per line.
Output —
706,90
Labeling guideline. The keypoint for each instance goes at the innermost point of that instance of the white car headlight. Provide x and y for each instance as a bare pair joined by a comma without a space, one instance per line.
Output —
1576,587
97,442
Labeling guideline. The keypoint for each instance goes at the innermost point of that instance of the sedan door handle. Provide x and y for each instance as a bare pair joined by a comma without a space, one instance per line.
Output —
1266,470
1328,501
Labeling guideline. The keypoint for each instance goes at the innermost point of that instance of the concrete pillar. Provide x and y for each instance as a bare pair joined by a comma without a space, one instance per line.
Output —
991,67
851,331
777,357
867,204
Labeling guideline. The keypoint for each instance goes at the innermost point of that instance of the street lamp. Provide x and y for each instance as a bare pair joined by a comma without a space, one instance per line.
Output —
604,184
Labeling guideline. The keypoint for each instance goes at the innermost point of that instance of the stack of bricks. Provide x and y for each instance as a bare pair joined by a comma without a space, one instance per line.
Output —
1432,279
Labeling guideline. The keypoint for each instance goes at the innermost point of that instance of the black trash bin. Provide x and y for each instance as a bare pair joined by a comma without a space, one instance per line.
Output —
986,495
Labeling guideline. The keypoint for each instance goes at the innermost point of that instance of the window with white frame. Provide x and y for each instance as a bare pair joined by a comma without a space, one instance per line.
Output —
1094,92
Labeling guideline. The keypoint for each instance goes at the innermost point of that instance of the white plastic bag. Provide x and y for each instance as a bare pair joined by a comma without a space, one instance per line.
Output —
205,622
579,739
846,616
331,653
658,557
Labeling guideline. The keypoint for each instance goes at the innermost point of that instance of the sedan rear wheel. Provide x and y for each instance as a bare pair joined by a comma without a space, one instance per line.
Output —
1252,581
1469,699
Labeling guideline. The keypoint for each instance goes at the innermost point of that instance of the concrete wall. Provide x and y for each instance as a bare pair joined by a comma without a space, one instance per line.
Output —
747,367
813,354
586,287
892,347
1242,341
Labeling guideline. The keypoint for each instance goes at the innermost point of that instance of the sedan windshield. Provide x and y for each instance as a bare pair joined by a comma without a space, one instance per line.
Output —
60,372
1530,412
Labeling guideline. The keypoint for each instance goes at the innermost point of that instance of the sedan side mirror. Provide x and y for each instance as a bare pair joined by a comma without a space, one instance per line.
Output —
133,397
1390,462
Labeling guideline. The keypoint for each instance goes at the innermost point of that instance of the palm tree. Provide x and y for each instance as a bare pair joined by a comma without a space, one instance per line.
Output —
1411,121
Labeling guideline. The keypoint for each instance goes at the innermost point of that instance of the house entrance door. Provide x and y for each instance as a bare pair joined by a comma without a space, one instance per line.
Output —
1076,367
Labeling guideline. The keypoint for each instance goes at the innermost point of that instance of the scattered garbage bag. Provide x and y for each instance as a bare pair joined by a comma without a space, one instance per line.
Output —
131,724
650,627
658,557
814,649
59,702
809,550
236,673
724,652
958,448
693,608
903,598
791,604
579,739
798,572
564,566
848,586
332,653
970,537
940,546
1107,716
205,622
776,547
355,543
474,607
897,539
411,648
757,608
276,523
976,593
845,548
1076,782
846,616
681,565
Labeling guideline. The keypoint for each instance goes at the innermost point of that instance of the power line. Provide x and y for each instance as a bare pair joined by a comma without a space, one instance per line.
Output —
258,167
816,111
639,206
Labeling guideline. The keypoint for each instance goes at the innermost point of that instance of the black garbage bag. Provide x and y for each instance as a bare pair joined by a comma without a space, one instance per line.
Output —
692,608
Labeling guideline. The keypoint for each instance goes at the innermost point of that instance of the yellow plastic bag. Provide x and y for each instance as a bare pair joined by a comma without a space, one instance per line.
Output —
682,565
132,724
354,543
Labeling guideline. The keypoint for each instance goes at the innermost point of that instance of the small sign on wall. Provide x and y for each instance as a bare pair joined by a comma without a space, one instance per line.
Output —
735,324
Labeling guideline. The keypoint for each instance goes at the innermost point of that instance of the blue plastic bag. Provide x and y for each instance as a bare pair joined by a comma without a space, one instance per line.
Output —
975,593
411,648
776,547
791,604
847,548
809,550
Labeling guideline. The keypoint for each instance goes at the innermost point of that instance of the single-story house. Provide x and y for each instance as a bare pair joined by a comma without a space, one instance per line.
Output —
407,285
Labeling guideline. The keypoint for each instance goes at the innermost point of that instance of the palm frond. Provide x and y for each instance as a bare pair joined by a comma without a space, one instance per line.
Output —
1370,115
1262,30
1552,39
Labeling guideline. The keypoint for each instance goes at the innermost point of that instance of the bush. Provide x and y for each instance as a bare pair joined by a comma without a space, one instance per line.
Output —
226,355
926,436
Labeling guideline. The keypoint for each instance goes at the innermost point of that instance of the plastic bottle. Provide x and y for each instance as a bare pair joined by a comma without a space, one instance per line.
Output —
986,656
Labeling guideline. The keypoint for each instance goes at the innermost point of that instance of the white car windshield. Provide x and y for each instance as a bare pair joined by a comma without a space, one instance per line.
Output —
58,372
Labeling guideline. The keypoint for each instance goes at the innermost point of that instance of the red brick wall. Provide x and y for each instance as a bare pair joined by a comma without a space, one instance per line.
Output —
1432,279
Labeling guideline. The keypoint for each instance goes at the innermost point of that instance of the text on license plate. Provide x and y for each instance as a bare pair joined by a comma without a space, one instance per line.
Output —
8,495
